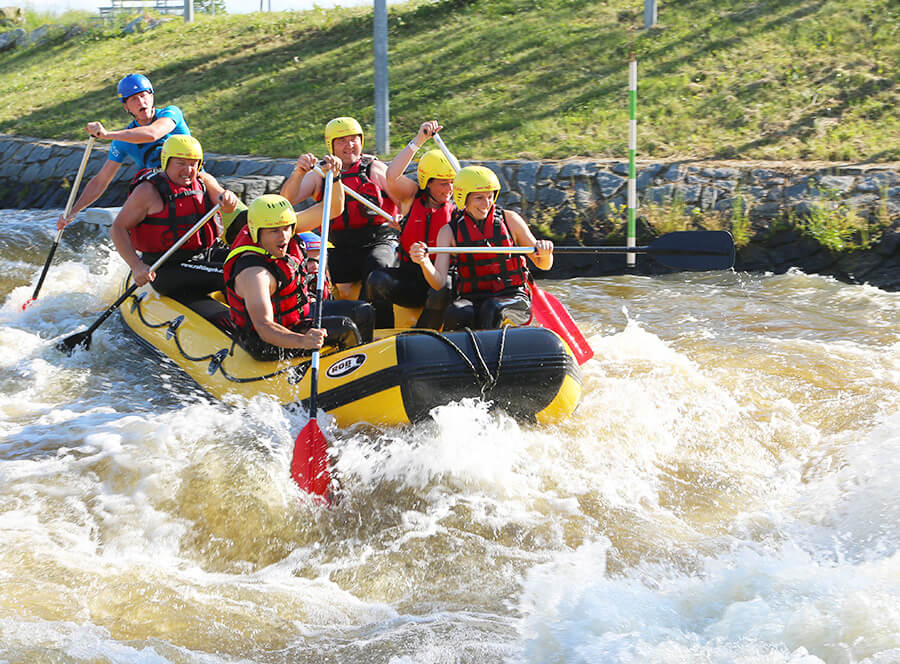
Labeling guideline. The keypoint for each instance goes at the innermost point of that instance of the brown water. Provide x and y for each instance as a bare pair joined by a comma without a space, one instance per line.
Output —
727,491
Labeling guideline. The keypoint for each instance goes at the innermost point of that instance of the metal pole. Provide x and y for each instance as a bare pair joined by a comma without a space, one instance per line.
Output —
382,112
649,13
632,152
188,11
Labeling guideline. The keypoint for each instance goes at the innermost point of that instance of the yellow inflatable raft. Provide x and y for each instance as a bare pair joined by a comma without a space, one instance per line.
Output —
396,379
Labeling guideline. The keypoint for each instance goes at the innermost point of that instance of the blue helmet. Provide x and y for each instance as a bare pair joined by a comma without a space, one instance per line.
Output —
312,241
133,84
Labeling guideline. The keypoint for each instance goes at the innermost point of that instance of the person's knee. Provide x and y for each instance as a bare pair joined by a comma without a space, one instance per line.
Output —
381,256
342,332
379,286
458,315
494,312
436,303
438,299
363,314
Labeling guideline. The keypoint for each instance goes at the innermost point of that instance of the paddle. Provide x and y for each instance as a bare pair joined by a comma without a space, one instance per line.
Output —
359,197
309,465
683,250
443,146
551,314
70,343
69,204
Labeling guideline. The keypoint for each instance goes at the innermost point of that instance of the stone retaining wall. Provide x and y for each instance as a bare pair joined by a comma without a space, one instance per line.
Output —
574,201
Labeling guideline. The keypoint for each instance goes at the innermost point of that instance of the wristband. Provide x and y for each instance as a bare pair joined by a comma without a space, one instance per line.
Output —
412,144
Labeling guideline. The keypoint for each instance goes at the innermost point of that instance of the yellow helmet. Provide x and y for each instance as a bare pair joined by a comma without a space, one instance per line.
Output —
269,211
340,127
181,145
473,179
434,164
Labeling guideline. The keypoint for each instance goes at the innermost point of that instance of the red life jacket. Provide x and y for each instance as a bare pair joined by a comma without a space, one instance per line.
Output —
356,215
422,224
182,208
485,273
290,301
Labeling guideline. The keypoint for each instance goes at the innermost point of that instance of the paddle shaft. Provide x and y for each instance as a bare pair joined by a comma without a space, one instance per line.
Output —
320,288
359,197
443,146
684,250
72,192
647,249
162,259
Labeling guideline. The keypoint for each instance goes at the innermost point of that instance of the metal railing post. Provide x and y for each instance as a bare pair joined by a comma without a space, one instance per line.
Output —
382,104
649,13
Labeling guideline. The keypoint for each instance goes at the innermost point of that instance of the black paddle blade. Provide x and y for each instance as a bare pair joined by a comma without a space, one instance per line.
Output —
694,250
70,343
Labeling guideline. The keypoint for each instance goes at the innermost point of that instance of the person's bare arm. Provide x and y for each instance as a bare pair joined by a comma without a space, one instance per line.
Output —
229,199
300,186
143,201
255,285
311,217
401,189
435,273
145,134
523,237
92,191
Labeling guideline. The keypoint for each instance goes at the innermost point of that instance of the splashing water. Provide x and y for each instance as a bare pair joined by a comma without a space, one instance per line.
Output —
725,492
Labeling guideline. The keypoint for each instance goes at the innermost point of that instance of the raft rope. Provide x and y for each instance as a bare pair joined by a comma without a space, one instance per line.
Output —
216,359
482,372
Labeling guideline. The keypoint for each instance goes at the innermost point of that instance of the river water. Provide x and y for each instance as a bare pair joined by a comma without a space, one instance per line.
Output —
728,491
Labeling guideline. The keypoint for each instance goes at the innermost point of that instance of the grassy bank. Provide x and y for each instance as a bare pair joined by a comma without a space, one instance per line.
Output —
807,79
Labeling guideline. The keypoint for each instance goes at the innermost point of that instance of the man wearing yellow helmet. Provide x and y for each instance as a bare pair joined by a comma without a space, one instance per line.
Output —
490,288
141,141
362,240
160,209
267,288
426,205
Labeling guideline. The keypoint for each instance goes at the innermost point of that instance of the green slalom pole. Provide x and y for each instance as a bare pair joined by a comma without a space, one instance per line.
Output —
631,230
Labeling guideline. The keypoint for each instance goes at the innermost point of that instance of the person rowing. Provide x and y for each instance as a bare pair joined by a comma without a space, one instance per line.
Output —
362,240
267,289
141,141
490,289
427,206
160,209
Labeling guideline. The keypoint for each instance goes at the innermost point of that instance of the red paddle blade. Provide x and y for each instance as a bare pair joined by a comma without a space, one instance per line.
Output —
309,466
27,302
549,313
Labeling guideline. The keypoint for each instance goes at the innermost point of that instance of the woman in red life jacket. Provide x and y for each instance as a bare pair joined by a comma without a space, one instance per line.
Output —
362,240
267,288
427,205
161,209
490,289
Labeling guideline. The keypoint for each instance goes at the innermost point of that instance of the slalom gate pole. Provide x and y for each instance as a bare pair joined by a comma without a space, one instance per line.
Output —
631,230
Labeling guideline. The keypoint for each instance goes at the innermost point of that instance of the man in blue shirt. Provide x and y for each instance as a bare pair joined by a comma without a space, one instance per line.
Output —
141,140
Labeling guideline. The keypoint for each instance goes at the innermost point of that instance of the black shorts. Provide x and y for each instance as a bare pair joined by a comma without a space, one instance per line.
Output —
358,252
189,275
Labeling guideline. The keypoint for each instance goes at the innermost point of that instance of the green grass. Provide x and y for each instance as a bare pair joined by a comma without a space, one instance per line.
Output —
807,79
